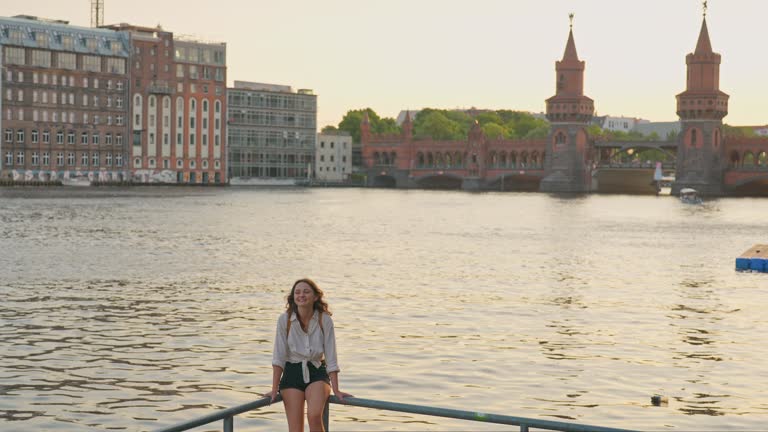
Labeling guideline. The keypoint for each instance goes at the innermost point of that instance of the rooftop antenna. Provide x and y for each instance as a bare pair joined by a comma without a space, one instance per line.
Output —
97,13
705,8
571,15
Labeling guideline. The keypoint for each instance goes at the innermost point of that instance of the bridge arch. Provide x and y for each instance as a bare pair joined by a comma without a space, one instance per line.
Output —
748,160
459,160
448,160
762,159
632,149
446,181
384,181
503,159
493,159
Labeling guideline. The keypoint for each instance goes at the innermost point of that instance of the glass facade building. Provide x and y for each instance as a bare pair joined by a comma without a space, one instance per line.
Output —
271,131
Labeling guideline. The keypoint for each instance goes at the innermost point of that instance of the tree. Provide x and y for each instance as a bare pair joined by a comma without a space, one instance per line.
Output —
436,125
329,129
353,118
494,130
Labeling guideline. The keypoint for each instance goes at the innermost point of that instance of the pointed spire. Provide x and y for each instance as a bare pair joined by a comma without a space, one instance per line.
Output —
703,46
366,120
407,116
570,48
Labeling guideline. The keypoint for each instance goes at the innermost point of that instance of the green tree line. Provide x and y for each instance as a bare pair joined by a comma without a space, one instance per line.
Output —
445,125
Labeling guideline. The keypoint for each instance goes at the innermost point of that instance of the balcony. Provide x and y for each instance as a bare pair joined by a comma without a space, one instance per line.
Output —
160,87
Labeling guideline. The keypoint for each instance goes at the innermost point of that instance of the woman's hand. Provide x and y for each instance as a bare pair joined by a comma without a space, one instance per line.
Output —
341,395
272,395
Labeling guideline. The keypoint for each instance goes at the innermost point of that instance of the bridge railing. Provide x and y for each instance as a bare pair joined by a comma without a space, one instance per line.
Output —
645,165
227,416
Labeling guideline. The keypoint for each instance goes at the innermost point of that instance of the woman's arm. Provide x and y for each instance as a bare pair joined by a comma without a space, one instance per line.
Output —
279,355
277,372
335,386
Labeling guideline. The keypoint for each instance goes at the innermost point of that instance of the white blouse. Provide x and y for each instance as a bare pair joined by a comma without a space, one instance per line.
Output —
302,347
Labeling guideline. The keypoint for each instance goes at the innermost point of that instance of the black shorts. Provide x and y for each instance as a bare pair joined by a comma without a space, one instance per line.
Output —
294,378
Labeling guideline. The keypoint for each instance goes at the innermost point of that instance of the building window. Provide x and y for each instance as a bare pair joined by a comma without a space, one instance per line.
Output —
95,159
91,63
59,159
84,159
20,136
9,158
137,163
34,136
46,137
46,158
179,163
60,137
70,137
35,159
9,135
108,159
20,158
119,160
84,138
70,158
14,55
95,139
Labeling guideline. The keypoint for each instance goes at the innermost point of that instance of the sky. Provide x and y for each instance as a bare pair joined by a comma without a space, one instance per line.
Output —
392,55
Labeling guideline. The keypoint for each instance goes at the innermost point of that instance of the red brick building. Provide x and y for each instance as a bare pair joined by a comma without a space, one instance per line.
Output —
178,108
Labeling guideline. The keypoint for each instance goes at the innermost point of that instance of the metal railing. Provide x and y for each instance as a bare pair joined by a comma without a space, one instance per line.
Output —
227,416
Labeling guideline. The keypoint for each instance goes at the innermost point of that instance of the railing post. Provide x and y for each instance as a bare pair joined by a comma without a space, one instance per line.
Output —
523,428
326,414
229,424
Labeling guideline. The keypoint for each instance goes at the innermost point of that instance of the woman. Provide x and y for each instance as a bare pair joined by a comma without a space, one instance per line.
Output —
304,359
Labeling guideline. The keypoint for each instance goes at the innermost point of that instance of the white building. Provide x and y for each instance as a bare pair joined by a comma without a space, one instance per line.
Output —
664,130
619,124
333,157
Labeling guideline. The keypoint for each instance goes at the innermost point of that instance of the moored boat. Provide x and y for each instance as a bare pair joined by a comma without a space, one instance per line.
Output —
76,181
262,181
690,196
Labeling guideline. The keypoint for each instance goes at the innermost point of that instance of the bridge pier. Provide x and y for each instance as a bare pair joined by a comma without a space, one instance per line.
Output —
472,184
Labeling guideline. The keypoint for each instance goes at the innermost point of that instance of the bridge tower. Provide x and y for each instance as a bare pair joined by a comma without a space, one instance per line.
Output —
568,152
701,107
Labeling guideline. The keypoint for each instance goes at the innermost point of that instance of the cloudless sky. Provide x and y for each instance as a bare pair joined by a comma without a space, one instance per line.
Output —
499,54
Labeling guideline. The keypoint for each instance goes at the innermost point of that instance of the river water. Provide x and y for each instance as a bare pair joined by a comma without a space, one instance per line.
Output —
132,309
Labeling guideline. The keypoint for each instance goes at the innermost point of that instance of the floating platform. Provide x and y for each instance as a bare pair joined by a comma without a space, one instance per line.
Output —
755,259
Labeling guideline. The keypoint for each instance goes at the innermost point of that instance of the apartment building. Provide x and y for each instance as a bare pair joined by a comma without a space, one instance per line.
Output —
64,101
333,157
178,107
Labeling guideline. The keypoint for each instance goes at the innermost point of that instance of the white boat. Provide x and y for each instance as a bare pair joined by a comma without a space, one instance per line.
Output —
690,196
262,181
76,181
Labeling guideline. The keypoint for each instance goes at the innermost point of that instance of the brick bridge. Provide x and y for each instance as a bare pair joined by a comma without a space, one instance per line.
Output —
479,163
569,160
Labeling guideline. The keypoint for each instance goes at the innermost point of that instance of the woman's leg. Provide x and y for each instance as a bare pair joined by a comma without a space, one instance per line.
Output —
293,401
317,394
